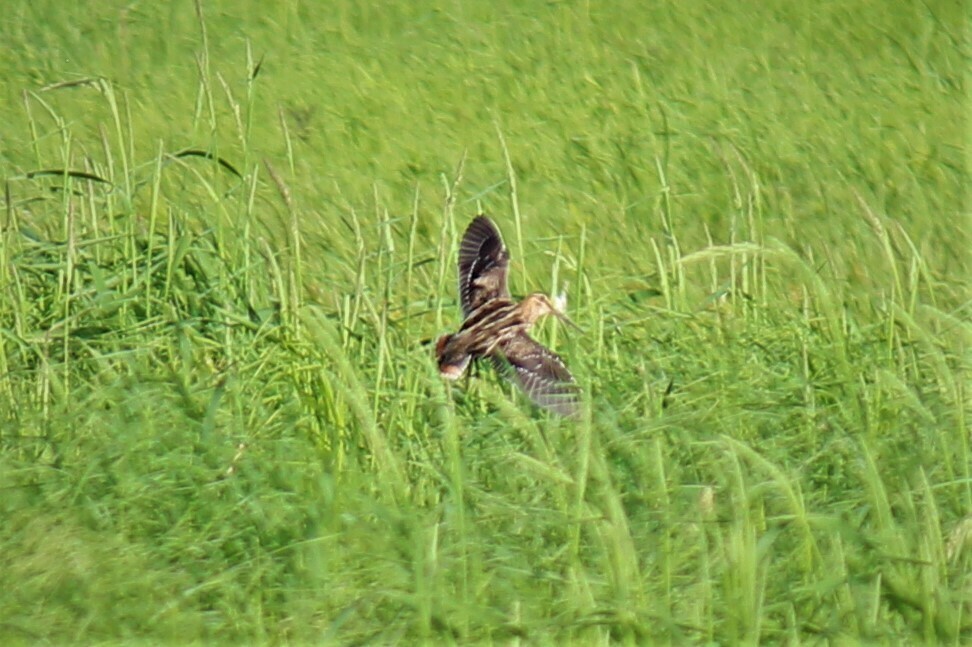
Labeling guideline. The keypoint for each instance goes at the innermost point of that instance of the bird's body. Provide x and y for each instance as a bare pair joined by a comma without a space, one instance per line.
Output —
496,326
488,329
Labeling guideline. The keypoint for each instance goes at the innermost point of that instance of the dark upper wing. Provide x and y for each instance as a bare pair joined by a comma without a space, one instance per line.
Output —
483,261
539,372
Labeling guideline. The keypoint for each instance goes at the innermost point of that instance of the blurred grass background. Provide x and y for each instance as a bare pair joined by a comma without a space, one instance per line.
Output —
229,231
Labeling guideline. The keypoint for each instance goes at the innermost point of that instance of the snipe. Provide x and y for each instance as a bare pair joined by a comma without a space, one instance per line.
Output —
495,326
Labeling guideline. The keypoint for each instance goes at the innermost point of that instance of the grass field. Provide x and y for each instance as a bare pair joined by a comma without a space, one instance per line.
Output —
229,232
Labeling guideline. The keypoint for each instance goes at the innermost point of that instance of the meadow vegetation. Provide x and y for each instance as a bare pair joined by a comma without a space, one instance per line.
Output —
229,234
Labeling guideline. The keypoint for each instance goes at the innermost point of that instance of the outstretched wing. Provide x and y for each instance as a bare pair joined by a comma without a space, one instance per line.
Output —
483,261
539,372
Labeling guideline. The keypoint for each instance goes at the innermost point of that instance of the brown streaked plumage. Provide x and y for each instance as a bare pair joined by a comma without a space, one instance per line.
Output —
496,326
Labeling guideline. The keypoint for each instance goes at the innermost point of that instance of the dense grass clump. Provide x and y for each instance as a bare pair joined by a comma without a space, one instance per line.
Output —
229,235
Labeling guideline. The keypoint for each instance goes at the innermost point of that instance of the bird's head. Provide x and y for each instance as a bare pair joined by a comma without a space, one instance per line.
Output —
538,304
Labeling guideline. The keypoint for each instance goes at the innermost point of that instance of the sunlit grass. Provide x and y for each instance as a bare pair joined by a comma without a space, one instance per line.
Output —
225,251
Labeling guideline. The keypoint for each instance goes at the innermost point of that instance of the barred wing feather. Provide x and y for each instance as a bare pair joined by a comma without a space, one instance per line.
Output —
483,263
539,372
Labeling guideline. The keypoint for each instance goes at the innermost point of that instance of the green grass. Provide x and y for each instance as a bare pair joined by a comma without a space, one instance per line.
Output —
220,421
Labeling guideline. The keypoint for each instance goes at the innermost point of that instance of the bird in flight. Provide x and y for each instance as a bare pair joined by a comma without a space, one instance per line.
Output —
495,326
